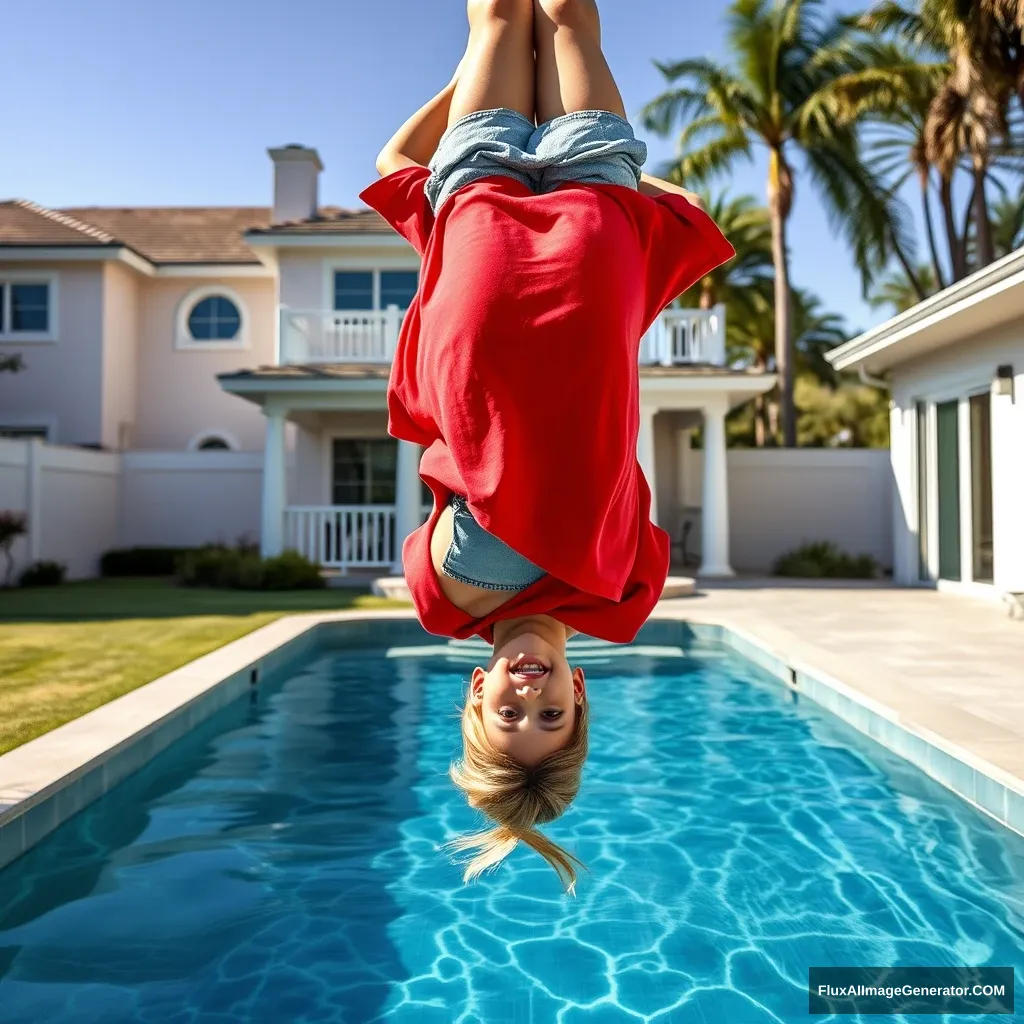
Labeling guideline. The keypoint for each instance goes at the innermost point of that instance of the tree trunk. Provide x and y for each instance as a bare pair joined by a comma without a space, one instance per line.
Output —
909,271
707,293
783,324
956,251
940,281
982,223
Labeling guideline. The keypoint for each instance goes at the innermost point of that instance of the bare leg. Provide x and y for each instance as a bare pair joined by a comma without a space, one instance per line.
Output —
572,73
498,69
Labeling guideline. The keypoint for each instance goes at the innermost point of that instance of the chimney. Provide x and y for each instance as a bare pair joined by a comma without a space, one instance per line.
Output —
296,178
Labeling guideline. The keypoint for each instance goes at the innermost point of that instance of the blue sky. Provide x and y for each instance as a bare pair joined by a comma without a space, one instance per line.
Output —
129,103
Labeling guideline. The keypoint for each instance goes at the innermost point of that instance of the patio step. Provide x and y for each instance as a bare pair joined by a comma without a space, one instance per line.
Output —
396,588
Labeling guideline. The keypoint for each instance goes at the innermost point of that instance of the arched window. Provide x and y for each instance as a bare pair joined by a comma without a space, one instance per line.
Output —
213,441
215,318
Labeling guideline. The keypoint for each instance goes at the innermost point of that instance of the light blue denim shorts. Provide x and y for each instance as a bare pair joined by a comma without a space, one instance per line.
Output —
478,558
588,146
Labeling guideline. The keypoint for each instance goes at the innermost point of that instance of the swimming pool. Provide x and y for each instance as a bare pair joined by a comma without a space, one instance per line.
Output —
280,863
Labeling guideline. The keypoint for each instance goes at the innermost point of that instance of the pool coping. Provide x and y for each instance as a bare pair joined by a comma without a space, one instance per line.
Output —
50,779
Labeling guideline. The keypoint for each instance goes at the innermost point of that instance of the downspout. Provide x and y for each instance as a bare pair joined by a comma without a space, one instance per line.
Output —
875,382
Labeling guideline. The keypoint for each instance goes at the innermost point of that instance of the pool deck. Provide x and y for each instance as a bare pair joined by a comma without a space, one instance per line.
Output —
951,665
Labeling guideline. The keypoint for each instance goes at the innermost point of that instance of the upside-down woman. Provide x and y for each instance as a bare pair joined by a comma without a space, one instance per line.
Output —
547,254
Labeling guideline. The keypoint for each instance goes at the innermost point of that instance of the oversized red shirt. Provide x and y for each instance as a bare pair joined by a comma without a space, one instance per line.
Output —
517,369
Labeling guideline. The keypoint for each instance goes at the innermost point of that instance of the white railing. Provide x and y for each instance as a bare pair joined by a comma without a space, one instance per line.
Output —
342,536
681,337
310,336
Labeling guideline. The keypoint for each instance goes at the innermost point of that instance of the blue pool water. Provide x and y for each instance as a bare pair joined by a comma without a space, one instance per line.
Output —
281,864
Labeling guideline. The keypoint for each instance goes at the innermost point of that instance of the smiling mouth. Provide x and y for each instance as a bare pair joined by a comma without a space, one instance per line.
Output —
528,667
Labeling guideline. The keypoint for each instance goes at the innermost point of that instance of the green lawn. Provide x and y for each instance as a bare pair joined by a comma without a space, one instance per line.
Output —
66,650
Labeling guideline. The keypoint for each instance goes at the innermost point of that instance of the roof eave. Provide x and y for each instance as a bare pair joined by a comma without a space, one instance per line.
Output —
877,349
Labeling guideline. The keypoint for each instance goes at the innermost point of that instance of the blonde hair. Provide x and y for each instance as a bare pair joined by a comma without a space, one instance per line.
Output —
517,798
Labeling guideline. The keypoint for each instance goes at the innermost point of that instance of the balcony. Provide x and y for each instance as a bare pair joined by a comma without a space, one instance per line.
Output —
679,337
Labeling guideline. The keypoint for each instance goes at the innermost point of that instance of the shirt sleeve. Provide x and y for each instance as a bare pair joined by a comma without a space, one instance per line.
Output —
399,198
685,244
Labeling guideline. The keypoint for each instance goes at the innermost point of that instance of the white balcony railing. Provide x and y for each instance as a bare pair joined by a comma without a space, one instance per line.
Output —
679,337
342,536
311,336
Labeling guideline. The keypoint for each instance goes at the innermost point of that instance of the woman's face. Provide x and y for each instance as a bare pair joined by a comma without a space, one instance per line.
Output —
527,698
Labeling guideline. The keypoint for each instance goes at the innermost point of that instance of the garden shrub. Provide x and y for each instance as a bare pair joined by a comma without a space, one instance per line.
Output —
142,561
825,560
43,574
242,569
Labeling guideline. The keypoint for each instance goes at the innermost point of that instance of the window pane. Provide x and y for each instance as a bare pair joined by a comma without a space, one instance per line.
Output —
30,307
214,319
212,444
353,289
23,432
348,482
2,310
948,446
981,488
397,287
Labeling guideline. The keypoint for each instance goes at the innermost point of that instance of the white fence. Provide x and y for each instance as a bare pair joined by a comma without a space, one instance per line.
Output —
70,496
682,336
81,503
184,499
339,336
780,499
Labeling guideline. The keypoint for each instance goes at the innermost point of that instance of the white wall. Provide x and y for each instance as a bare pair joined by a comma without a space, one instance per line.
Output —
179,396
780,499
71,497
181,499
951,373
61,386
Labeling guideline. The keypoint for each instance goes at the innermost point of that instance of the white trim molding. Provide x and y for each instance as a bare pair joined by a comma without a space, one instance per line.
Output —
214,435
48,277
183,340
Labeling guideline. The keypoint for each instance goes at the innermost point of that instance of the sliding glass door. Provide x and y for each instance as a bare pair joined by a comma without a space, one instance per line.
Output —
924,503
982,548
947,438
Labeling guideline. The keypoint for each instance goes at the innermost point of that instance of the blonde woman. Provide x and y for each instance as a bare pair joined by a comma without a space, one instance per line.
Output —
546,256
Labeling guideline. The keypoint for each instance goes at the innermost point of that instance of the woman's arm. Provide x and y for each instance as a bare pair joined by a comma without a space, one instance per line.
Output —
415,142
654,187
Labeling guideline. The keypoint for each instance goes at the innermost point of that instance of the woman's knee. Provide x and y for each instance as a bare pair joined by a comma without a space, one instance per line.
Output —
500,10
570,13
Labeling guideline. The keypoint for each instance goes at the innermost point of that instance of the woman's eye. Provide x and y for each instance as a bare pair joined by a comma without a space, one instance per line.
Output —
509,714
552,714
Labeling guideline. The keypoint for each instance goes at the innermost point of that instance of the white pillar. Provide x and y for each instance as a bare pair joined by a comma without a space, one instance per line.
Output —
407,498
272,522
645,454
715,510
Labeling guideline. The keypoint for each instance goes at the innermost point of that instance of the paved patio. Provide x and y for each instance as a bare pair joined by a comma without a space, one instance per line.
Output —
950,664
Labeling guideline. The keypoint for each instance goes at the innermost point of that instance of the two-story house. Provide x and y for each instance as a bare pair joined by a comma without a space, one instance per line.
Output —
272,330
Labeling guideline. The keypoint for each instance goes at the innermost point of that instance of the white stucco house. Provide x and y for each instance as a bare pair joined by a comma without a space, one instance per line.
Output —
262,338
955,364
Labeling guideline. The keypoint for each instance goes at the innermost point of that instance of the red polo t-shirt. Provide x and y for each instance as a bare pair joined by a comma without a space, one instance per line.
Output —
517,369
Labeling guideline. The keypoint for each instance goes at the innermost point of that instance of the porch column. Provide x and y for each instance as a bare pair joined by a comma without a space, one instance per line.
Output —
407,498
715,510
272,521
645,454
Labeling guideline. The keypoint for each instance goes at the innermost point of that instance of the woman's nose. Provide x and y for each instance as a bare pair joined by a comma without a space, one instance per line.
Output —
528,692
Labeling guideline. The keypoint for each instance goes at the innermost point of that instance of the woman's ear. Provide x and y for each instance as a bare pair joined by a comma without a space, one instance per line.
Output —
476,686
579,685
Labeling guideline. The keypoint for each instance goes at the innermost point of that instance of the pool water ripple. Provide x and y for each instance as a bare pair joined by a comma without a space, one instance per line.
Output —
283,864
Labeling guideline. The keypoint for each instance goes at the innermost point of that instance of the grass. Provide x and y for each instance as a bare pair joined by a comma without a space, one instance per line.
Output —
66,650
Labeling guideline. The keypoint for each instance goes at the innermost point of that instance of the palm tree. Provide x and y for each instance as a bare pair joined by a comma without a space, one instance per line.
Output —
899,294
772,95
970,113
1008,223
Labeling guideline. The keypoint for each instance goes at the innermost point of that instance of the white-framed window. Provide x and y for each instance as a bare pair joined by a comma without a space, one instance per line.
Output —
213,441
28,307
359,290
212,318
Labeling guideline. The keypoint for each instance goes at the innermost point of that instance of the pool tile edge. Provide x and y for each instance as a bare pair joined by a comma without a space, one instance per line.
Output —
991,789
48,780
